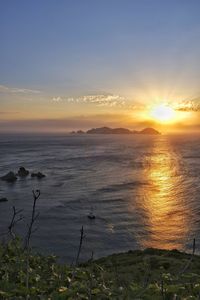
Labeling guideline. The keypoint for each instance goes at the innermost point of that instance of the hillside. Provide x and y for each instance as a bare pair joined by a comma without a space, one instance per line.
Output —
150,274
108,130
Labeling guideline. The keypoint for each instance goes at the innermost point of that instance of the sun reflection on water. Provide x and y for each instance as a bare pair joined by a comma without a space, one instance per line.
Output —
163,205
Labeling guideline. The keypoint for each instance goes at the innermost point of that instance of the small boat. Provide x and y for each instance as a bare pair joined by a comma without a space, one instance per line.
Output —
91,216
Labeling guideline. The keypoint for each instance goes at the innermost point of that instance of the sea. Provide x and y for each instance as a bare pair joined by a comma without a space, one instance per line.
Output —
144,191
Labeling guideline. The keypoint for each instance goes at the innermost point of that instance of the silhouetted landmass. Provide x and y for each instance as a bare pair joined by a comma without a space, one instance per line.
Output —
9,177
80,132
3,199
149,131
22,172
108,130
38,175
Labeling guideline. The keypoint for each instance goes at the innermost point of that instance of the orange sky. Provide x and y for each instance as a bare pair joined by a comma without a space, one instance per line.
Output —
36,111
82,64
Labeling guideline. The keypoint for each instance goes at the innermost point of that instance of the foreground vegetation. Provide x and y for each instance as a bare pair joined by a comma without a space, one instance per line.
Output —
148,274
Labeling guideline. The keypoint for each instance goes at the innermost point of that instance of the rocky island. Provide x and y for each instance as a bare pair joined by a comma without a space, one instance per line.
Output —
108,130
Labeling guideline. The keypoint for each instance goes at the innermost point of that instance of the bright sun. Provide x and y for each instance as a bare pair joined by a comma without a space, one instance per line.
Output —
162,113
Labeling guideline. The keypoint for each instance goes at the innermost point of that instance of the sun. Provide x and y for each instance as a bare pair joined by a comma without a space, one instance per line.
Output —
162,113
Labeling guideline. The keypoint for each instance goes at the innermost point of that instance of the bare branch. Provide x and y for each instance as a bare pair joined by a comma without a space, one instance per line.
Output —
36,195
80,246
34,216
14,221
82,236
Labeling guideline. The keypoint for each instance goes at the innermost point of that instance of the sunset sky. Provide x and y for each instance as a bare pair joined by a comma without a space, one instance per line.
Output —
72,64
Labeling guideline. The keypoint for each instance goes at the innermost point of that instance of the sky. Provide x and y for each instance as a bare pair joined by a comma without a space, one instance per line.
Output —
72,64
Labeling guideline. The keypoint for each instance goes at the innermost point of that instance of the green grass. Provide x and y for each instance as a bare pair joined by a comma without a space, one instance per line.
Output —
149,274
133,264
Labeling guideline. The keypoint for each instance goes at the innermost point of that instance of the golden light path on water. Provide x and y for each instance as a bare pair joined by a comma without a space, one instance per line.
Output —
164,206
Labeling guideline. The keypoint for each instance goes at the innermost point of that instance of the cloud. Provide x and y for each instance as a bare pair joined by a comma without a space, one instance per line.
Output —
189,106
104,100
13,90
99,100
57,99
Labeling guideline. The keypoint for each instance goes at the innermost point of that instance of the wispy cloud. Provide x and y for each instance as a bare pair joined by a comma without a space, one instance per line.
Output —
190,105
99,100
15,90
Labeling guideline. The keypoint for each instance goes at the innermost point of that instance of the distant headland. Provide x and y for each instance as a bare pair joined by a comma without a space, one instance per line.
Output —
108,130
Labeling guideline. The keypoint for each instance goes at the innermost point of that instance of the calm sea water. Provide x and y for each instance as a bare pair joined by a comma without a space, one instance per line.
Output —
144,191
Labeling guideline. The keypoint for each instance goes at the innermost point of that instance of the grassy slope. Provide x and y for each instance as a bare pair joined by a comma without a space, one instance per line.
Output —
149,274
134,264
153,274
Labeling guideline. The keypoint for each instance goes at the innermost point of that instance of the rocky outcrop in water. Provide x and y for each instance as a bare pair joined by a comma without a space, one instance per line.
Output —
9,177
3,199
22,172
38,175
